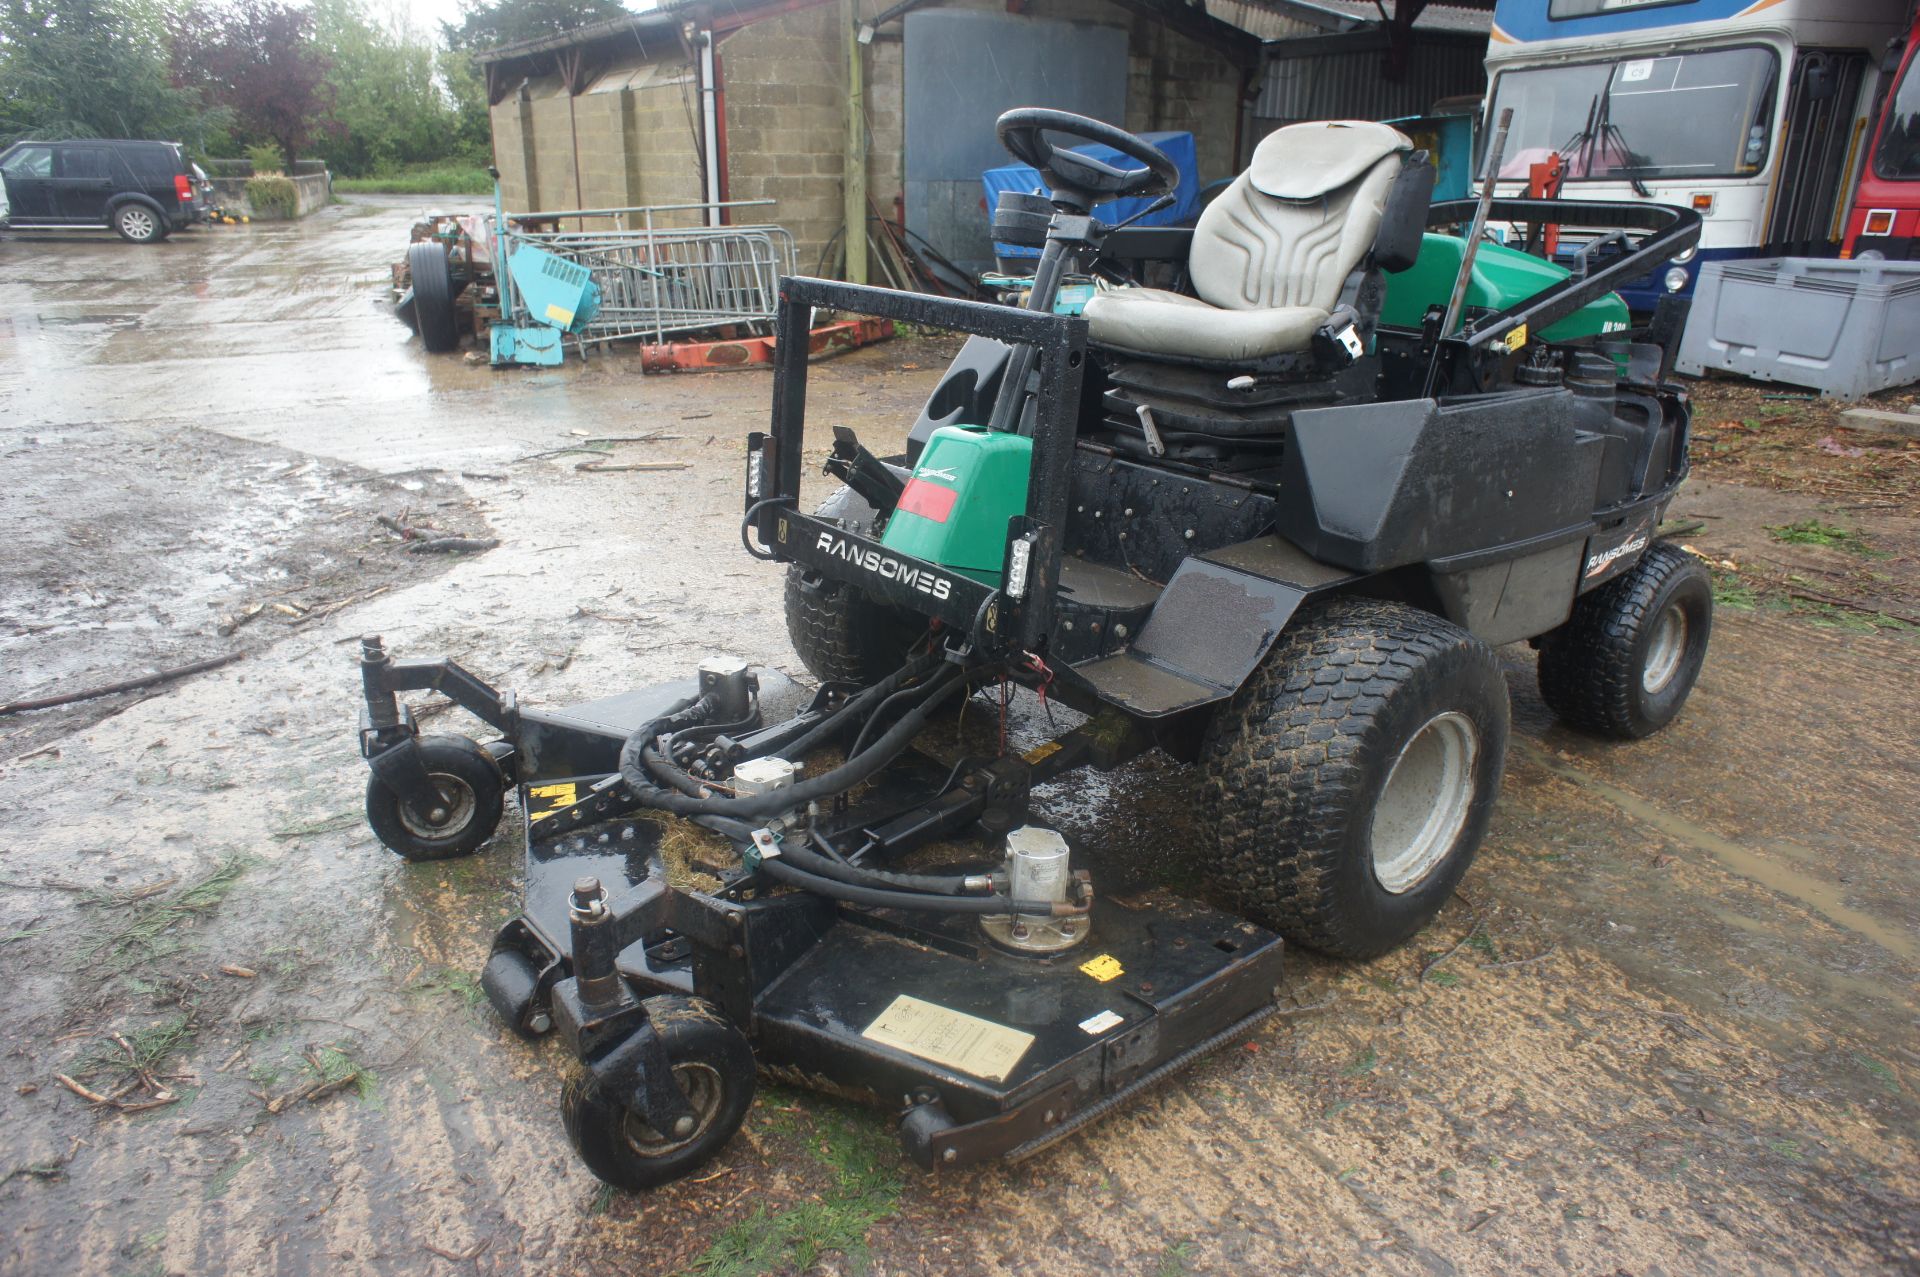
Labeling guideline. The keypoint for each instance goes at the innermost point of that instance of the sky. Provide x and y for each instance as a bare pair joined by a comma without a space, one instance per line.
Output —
425,16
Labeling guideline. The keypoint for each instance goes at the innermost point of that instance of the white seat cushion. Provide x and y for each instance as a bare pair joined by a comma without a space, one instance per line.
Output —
1151,321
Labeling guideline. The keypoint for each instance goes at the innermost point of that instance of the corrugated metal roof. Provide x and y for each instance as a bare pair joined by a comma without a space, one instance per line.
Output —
1347,85
1435,17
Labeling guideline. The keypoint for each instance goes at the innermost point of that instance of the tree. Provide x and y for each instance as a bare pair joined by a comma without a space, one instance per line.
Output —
259,59
486,25
388,105
91,68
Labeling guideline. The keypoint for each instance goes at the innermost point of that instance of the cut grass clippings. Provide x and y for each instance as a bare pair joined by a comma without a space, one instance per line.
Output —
137,927
1814,532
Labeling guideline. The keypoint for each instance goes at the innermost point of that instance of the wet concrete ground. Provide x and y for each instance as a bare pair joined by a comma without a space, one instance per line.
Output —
1668,1025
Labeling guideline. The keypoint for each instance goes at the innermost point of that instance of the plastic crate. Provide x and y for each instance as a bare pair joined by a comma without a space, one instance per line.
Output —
1845,329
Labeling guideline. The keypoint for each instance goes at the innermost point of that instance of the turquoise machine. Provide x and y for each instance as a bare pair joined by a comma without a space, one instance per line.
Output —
542,297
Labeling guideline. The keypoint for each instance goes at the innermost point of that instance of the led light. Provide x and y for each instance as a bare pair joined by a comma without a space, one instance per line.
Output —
756,462
1879,222
1019,558
1676,279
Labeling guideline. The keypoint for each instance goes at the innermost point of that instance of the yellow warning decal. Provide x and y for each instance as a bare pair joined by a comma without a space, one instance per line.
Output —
1103,968
550,799
1040,753
559,314
953,1038
1517,338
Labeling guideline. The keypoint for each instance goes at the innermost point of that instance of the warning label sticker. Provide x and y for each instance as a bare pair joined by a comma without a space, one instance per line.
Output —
548,799
953,1038
1098,1024
1103,968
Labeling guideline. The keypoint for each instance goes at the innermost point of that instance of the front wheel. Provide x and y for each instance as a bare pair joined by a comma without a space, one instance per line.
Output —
1350,782
713,1066
1626,660
470,789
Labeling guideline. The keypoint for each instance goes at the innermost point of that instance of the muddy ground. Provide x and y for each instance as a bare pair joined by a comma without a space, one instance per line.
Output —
1669,1024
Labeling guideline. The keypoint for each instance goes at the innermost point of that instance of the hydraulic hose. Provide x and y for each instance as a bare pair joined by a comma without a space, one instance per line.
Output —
793,876
639,761
804,857
857,703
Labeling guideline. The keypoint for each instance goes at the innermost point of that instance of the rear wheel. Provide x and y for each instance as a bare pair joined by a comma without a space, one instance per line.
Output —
433,296
138,224
1350,782
1626,660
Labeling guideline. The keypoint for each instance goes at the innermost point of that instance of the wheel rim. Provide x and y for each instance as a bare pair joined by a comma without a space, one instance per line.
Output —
1424,804
705,1093
136,223
1668,645
456,808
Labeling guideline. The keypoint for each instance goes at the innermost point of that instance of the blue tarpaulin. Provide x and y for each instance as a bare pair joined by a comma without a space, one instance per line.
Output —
1179,148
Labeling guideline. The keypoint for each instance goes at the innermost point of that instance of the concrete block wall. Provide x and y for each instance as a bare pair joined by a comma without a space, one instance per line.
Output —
663,145
786,86
1176,83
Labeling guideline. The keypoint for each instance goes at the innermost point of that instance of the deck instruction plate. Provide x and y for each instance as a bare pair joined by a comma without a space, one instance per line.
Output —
953,1038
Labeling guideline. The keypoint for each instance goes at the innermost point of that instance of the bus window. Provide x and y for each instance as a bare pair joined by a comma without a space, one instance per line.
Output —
1690,115
1897,157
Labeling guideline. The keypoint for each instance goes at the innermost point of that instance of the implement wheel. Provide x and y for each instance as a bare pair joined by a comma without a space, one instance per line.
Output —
1350,782
714,1067
470,787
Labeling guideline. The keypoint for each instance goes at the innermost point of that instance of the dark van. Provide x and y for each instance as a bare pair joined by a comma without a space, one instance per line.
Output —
144,190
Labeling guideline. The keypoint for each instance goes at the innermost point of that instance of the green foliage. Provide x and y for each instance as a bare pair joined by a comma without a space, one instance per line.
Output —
265,158
138,928
93,68
389,108
272,197
487,26
432,179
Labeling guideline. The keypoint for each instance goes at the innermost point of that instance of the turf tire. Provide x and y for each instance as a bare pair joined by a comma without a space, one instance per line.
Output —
714,1066
1594,670
1297,762
839,631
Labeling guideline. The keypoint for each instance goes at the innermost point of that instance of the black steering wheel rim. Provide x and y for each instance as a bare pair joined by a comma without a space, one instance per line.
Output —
1023,132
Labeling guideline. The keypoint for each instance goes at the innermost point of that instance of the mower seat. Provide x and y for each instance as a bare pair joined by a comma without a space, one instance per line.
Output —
1271,254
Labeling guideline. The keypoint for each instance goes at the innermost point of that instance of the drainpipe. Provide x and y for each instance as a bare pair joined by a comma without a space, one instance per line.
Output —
853,172
709,126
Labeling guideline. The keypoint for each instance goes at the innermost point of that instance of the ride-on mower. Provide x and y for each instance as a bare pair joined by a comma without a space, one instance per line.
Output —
1271,518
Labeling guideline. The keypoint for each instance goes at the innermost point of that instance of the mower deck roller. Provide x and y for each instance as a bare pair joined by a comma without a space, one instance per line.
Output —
1252,524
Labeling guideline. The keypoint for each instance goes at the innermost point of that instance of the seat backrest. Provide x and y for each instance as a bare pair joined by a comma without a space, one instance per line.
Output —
1292,227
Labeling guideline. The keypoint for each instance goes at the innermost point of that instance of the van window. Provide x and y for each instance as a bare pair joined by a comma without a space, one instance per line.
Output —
86,162
1898,155
29,161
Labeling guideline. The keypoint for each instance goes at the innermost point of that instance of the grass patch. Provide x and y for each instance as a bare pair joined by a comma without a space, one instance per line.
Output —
436,179
224,1177
863,1162
1814,532
451,982
1730,591
1173,1260
272,197
331,1064
1881,1072
140,929
1363,1063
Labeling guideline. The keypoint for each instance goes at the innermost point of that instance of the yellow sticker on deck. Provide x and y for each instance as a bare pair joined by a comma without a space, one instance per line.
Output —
953,1038
1041,752
552,798
1517,338
1103,968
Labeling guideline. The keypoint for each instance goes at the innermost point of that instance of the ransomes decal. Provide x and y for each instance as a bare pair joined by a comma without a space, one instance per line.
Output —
885,566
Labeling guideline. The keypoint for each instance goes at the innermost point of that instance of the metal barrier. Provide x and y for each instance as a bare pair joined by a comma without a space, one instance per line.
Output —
655,281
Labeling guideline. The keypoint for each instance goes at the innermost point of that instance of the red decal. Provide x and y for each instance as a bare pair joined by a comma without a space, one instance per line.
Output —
928,500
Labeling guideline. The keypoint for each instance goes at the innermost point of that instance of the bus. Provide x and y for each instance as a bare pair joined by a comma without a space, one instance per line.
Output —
1752,112
1885,224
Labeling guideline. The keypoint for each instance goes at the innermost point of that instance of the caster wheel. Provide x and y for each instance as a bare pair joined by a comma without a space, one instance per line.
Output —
713,1065
471,789
512,985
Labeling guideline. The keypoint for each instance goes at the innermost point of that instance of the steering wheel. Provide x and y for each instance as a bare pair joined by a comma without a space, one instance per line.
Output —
1023,131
